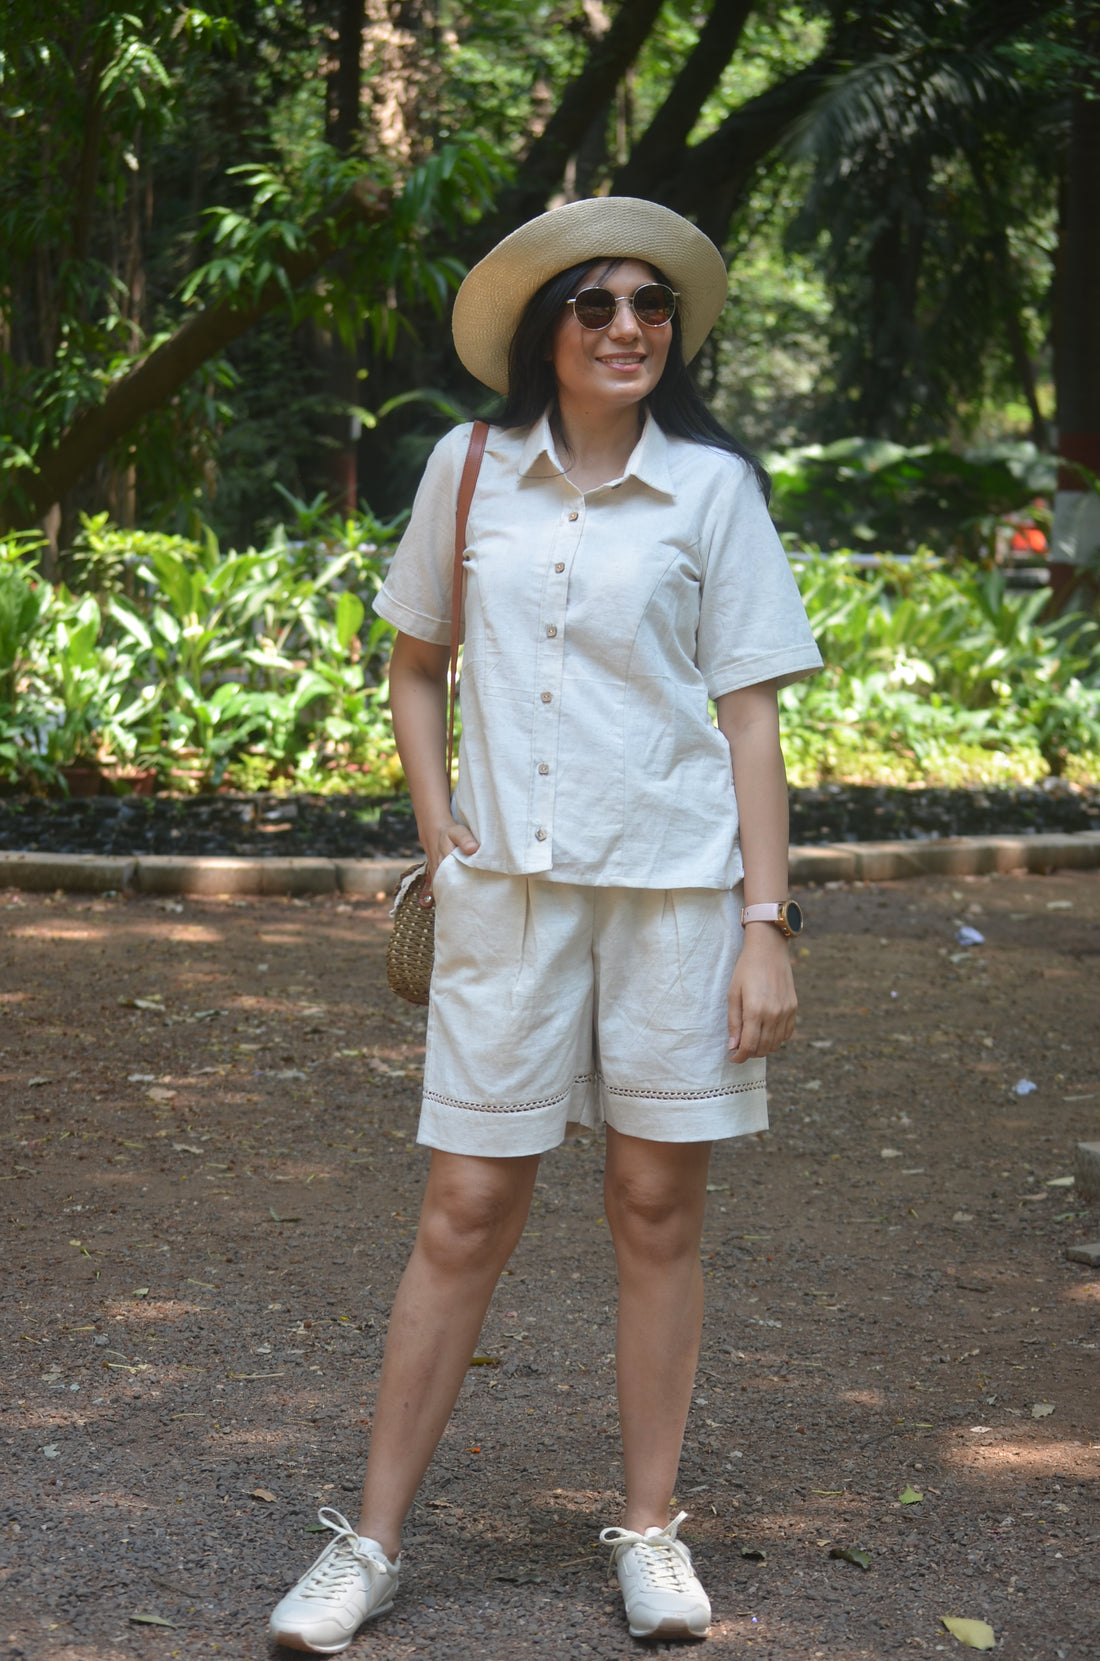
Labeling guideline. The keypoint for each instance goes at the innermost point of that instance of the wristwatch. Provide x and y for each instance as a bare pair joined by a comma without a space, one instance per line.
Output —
786,915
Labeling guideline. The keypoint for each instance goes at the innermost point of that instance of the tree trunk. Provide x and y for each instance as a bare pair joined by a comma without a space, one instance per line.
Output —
658,151
592,90
1075,540
156,378
338,364
710,180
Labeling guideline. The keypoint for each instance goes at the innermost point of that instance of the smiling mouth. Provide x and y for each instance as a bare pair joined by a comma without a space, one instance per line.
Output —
624,362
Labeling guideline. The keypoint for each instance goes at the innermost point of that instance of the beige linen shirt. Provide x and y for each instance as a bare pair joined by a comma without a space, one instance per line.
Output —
596,625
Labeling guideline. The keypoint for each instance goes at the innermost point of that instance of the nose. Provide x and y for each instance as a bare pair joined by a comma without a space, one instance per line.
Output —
624,324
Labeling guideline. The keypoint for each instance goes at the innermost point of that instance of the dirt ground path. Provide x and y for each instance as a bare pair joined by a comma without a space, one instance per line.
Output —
210,1185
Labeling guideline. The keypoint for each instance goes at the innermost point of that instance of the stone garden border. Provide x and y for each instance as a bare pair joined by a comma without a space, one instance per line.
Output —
167,874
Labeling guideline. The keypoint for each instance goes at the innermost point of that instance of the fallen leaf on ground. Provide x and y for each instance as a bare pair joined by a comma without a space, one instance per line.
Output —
754,1554
974,1634
851,1554
910,1496
1042,1409
262,1494
52,1451
485,1361
1059,1182
151,1620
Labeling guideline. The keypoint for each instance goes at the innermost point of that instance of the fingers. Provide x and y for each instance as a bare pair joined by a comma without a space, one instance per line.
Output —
759,1033
761,1015
453,837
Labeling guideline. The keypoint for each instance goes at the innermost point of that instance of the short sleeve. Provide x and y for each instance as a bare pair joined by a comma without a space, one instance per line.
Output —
416,595
752,623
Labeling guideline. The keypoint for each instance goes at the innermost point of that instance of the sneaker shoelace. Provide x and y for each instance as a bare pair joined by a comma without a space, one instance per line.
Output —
661,1566
341,1563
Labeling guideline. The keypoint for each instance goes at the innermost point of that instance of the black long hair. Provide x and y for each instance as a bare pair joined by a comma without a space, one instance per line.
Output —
674,403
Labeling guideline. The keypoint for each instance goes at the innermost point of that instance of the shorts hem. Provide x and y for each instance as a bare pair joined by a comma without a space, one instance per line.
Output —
507,1130
687,1116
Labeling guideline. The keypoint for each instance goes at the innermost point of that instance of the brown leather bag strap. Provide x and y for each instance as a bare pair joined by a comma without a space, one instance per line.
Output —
466,488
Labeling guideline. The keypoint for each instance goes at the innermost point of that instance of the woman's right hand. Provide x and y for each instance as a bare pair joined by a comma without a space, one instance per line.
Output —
450,837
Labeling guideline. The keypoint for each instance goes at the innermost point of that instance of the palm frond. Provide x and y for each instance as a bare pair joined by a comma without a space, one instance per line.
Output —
922,96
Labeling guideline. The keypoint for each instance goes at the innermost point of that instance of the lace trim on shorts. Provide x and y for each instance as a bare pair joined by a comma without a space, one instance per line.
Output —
645,1094
510,1107
682,1095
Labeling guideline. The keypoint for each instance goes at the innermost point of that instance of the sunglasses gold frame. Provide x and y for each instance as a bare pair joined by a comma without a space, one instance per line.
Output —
619,299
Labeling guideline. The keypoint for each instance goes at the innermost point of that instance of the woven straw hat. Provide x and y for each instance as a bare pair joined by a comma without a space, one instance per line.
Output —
492,298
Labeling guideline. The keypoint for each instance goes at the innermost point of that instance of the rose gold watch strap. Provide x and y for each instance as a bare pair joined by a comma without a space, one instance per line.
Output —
466,485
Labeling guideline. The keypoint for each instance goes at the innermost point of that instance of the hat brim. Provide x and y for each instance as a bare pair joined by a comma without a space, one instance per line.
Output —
491,300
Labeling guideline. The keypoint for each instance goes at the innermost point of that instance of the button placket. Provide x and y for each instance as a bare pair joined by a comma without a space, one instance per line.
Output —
549,657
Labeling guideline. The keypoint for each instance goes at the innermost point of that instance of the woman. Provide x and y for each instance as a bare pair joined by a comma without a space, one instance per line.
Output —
591,962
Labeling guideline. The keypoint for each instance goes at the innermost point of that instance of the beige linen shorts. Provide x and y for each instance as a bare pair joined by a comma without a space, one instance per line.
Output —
556,1005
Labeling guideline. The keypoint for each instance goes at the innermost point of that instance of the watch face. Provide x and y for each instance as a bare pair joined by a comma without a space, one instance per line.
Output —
793,913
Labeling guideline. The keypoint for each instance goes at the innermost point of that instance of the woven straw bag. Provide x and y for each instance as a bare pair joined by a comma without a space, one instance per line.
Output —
412,944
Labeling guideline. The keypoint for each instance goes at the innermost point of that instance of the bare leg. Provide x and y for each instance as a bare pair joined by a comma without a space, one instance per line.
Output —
473,1214
655,1195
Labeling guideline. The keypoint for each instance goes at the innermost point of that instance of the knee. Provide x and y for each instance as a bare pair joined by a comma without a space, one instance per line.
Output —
654,1218
467,1227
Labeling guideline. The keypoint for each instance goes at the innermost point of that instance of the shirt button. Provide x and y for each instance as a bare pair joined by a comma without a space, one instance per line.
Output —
543,768
551,631
547,697
560,566
540,835
573,516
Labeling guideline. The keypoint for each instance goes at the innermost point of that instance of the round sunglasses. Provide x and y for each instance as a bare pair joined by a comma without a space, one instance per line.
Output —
653,304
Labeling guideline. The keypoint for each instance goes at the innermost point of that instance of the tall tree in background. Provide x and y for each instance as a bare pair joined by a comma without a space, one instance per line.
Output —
337,359
1076,538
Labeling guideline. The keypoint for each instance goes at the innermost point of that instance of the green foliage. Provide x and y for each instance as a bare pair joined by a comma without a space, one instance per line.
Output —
202,664
268,668
939,674
881,495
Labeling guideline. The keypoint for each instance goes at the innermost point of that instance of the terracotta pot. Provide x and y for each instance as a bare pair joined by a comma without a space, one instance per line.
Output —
81,779
134,781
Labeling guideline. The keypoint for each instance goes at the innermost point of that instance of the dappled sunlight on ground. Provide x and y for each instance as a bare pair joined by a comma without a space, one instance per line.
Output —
1012,1460
864,1398
148,1310
1088,1294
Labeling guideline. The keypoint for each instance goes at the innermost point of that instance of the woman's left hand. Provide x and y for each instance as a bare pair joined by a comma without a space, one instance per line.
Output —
762,1001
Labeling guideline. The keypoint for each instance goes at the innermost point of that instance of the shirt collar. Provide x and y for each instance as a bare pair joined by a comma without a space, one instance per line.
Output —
649,462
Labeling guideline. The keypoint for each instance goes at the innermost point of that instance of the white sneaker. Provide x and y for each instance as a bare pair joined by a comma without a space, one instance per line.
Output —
352,1581
662,1592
